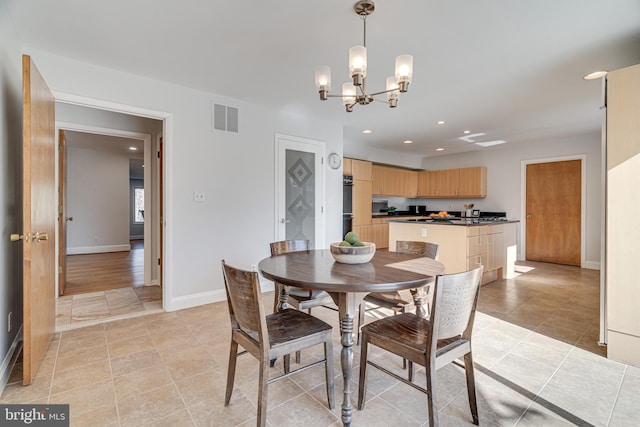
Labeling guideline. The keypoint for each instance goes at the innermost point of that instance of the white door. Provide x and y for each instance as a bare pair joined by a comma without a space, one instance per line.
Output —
300,190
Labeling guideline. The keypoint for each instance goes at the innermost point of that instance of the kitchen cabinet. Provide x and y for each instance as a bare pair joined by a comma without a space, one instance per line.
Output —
621,315
347,166
392,181
464,247
453,183
361,169
361,202
380,232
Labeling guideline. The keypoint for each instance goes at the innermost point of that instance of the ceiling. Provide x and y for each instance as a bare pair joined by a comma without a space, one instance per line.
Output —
511,70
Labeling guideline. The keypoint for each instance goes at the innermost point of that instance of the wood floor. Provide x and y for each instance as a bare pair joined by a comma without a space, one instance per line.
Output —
101,272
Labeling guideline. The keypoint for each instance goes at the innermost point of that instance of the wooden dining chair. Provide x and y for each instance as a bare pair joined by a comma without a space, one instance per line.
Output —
398,301
301,299
434,342
269,337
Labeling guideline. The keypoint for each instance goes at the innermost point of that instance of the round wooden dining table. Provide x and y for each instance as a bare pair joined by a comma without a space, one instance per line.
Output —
348,284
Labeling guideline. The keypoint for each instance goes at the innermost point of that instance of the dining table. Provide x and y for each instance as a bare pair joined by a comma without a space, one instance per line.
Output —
348,284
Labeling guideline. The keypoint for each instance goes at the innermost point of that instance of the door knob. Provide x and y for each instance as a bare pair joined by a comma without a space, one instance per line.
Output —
529,216
284,221
68,218
15,237
39,237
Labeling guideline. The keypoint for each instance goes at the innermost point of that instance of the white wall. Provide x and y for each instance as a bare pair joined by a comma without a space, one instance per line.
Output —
234,171
98,201
10,188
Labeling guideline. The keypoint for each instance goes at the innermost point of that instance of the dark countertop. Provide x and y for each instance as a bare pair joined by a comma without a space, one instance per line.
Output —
455,221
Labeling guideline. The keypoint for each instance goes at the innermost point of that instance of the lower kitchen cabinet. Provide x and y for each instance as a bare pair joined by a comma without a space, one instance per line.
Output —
463,248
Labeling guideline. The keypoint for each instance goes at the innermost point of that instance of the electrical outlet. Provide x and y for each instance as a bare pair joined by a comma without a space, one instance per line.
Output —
254,267
423,232
95,239
450,205
9,321
198,197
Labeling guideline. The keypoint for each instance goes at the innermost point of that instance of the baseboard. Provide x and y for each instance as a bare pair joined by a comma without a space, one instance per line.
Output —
10,360
79,250
592,265
190,301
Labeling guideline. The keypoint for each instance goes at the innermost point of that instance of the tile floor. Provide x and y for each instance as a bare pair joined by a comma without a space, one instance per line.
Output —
534,345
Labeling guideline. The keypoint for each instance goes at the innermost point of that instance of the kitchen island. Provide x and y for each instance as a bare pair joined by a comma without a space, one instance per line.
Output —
464,243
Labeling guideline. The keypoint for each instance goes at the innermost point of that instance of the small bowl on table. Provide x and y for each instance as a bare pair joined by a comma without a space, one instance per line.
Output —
353,254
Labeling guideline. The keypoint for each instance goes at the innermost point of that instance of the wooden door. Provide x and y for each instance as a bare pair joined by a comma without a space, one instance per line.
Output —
62,213
553,212
39,218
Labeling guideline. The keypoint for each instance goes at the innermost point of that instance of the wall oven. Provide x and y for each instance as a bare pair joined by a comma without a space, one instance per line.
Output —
347,203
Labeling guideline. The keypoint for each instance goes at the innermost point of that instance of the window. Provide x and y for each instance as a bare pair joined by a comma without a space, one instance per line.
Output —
138,205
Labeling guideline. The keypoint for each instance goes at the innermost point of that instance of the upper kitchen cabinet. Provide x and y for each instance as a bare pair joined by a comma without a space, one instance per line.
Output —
453,183
362,170
391,181
347,166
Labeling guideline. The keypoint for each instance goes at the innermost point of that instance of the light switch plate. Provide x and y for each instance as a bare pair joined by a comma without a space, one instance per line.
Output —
198,197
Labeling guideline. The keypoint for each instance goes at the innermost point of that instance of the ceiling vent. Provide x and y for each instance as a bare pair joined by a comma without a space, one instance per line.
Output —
225,118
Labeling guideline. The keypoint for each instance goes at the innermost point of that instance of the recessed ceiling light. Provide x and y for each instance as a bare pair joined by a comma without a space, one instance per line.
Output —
595,75
441,122
132,148
439,149
408,141
467,131
367,131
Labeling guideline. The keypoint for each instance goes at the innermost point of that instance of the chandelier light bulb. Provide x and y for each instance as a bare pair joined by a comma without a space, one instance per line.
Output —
404,71
323,81
348,95
358,64
392,91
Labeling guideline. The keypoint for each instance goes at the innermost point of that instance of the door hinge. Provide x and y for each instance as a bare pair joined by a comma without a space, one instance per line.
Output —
59,269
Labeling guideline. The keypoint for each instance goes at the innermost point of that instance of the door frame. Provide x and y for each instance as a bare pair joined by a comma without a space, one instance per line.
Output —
283,142
583,201
146,138
167,132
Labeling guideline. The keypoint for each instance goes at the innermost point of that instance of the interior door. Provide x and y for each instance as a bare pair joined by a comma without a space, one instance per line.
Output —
300,180
62,212
39,217
160,209
553,212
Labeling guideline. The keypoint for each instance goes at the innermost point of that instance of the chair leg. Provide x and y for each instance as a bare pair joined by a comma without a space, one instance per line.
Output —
286,359
410,370
362,382
262,393
471,387
231,371
328,355
431,388
361,312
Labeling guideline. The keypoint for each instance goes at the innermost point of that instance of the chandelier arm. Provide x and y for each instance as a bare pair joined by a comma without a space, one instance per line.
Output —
339,96
384,91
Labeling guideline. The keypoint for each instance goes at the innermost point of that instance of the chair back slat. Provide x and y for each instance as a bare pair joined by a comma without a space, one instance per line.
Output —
455,303
428,249
286,246
243,294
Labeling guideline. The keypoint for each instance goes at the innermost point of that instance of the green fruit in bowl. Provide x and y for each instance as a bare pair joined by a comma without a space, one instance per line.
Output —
351,237
358,243
344,243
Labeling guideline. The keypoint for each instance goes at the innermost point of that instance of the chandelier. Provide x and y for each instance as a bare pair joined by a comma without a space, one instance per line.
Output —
355,92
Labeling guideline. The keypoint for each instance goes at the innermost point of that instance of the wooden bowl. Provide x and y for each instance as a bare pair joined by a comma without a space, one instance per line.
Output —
353,254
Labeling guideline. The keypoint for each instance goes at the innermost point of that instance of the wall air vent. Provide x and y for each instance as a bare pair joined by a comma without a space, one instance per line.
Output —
225,118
